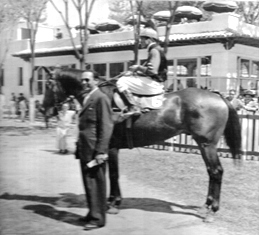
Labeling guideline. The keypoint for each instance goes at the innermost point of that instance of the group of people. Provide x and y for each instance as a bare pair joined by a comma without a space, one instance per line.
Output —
246,101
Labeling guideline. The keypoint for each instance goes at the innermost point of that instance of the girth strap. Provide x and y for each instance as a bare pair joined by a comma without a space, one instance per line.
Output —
129,132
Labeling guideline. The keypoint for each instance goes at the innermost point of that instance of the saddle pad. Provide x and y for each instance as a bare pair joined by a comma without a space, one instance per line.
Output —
153,102
150,102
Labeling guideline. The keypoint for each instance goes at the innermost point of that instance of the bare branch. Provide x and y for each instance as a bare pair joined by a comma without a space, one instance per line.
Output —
68,28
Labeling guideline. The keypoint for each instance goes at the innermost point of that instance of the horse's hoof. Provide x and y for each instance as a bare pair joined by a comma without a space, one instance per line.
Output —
113,210
203,211
210,217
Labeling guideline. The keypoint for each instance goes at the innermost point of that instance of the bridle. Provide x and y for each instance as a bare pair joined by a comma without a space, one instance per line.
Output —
56,88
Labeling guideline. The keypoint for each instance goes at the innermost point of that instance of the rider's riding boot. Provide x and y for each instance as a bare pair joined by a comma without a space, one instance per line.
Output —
133,109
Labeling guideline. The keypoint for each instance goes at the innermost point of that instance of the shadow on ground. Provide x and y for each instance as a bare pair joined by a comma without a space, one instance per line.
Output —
68,200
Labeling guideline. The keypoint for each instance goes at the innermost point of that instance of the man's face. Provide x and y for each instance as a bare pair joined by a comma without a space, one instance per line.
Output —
88,81
143,42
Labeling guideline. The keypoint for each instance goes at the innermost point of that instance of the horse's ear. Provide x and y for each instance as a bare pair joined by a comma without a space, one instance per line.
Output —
87,66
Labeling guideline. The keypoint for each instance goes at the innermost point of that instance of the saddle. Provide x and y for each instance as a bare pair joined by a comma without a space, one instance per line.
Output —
145,102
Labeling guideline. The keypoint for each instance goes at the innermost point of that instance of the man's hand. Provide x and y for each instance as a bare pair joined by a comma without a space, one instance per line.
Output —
101,158
134,68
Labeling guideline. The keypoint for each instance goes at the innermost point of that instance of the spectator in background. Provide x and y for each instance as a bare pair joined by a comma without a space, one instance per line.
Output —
13,106
235,100
22,105
65,117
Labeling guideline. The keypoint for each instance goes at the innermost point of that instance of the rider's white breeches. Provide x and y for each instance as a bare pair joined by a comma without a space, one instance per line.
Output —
140,85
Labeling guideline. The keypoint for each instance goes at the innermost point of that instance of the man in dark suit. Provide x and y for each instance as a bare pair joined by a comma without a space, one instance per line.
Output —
95,130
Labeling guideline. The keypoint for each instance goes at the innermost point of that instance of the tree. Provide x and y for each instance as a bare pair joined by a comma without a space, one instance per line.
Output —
8,19
84,9
249,11
119,10
31,12
136,27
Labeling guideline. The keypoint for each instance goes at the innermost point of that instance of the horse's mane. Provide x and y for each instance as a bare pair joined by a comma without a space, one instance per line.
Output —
70,79
69,72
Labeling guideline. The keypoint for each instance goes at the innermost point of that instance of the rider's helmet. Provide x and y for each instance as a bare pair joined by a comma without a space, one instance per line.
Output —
148,32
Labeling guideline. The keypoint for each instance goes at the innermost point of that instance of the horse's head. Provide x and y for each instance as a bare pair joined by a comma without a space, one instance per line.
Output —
65,83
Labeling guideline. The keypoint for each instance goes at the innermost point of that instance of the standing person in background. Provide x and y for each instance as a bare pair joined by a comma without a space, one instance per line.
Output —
237,103
65,118
22,105
95,130
13,105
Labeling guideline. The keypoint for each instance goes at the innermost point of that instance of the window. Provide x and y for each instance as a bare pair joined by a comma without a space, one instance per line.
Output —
2,77
205,66
244,68
255,69
25,33
101,69
205,72
40,81
116,69
248,71
186,67
20,74
191,72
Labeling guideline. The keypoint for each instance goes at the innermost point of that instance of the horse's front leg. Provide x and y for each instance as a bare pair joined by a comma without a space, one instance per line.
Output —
215,171
114,199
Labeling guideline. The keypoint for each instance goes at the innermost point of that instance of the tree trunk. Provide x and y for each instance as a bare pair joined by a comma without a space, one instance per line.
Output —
32,89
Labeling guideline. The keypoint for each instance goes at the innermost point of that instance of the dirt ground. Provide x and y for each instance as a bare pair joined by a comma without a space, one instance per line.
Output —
41,191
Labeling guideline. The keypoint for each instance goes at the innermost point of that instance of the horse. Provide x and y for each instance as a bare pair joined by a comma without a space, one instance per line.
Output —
204,115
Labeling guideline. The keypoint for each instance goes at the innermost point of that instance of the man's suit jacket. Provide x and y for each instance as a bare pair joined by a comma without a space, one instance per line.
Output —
95,126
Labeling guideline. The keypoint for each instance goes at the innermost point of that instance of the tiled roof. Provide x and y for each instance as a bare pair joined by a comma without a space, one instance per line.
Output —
112,44
203,35
172,38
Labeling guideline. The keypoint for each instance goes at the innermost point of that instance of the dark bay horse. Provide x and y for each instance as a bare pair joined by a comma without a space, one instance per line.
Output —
200,113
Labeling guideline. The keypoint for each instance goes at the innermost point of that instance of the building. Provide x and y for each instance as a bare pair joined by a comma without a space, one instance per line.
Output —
220,54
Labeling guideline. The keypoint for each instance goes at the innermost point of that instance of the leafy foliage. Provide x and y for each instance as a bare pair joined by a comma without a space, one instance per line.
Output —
119,10
249,11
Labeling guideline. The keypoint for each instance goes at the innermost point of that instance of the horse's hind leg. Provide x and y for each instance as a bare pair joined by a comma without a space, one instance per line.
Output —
115,195
215,171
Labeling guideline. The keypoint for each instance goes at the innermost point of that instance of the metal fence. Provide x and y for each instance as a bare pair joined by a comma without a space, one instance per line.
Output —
250,140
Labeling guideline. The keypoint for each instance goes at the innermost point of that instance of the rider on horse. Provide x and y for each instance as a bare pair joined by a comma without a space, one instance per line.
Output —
146,79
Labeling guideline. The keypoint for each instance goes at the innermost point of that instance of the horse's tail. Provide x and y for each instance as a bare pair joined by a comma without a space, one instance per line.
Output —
232,131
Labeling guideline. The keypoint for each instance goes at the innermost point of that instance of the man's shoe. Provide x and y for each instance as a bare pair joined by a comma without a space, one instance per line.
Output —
90,226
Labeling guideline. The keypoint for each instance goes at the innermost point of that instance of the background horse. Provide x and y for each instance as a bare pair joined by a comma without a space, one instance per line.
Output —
200,113
49,109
